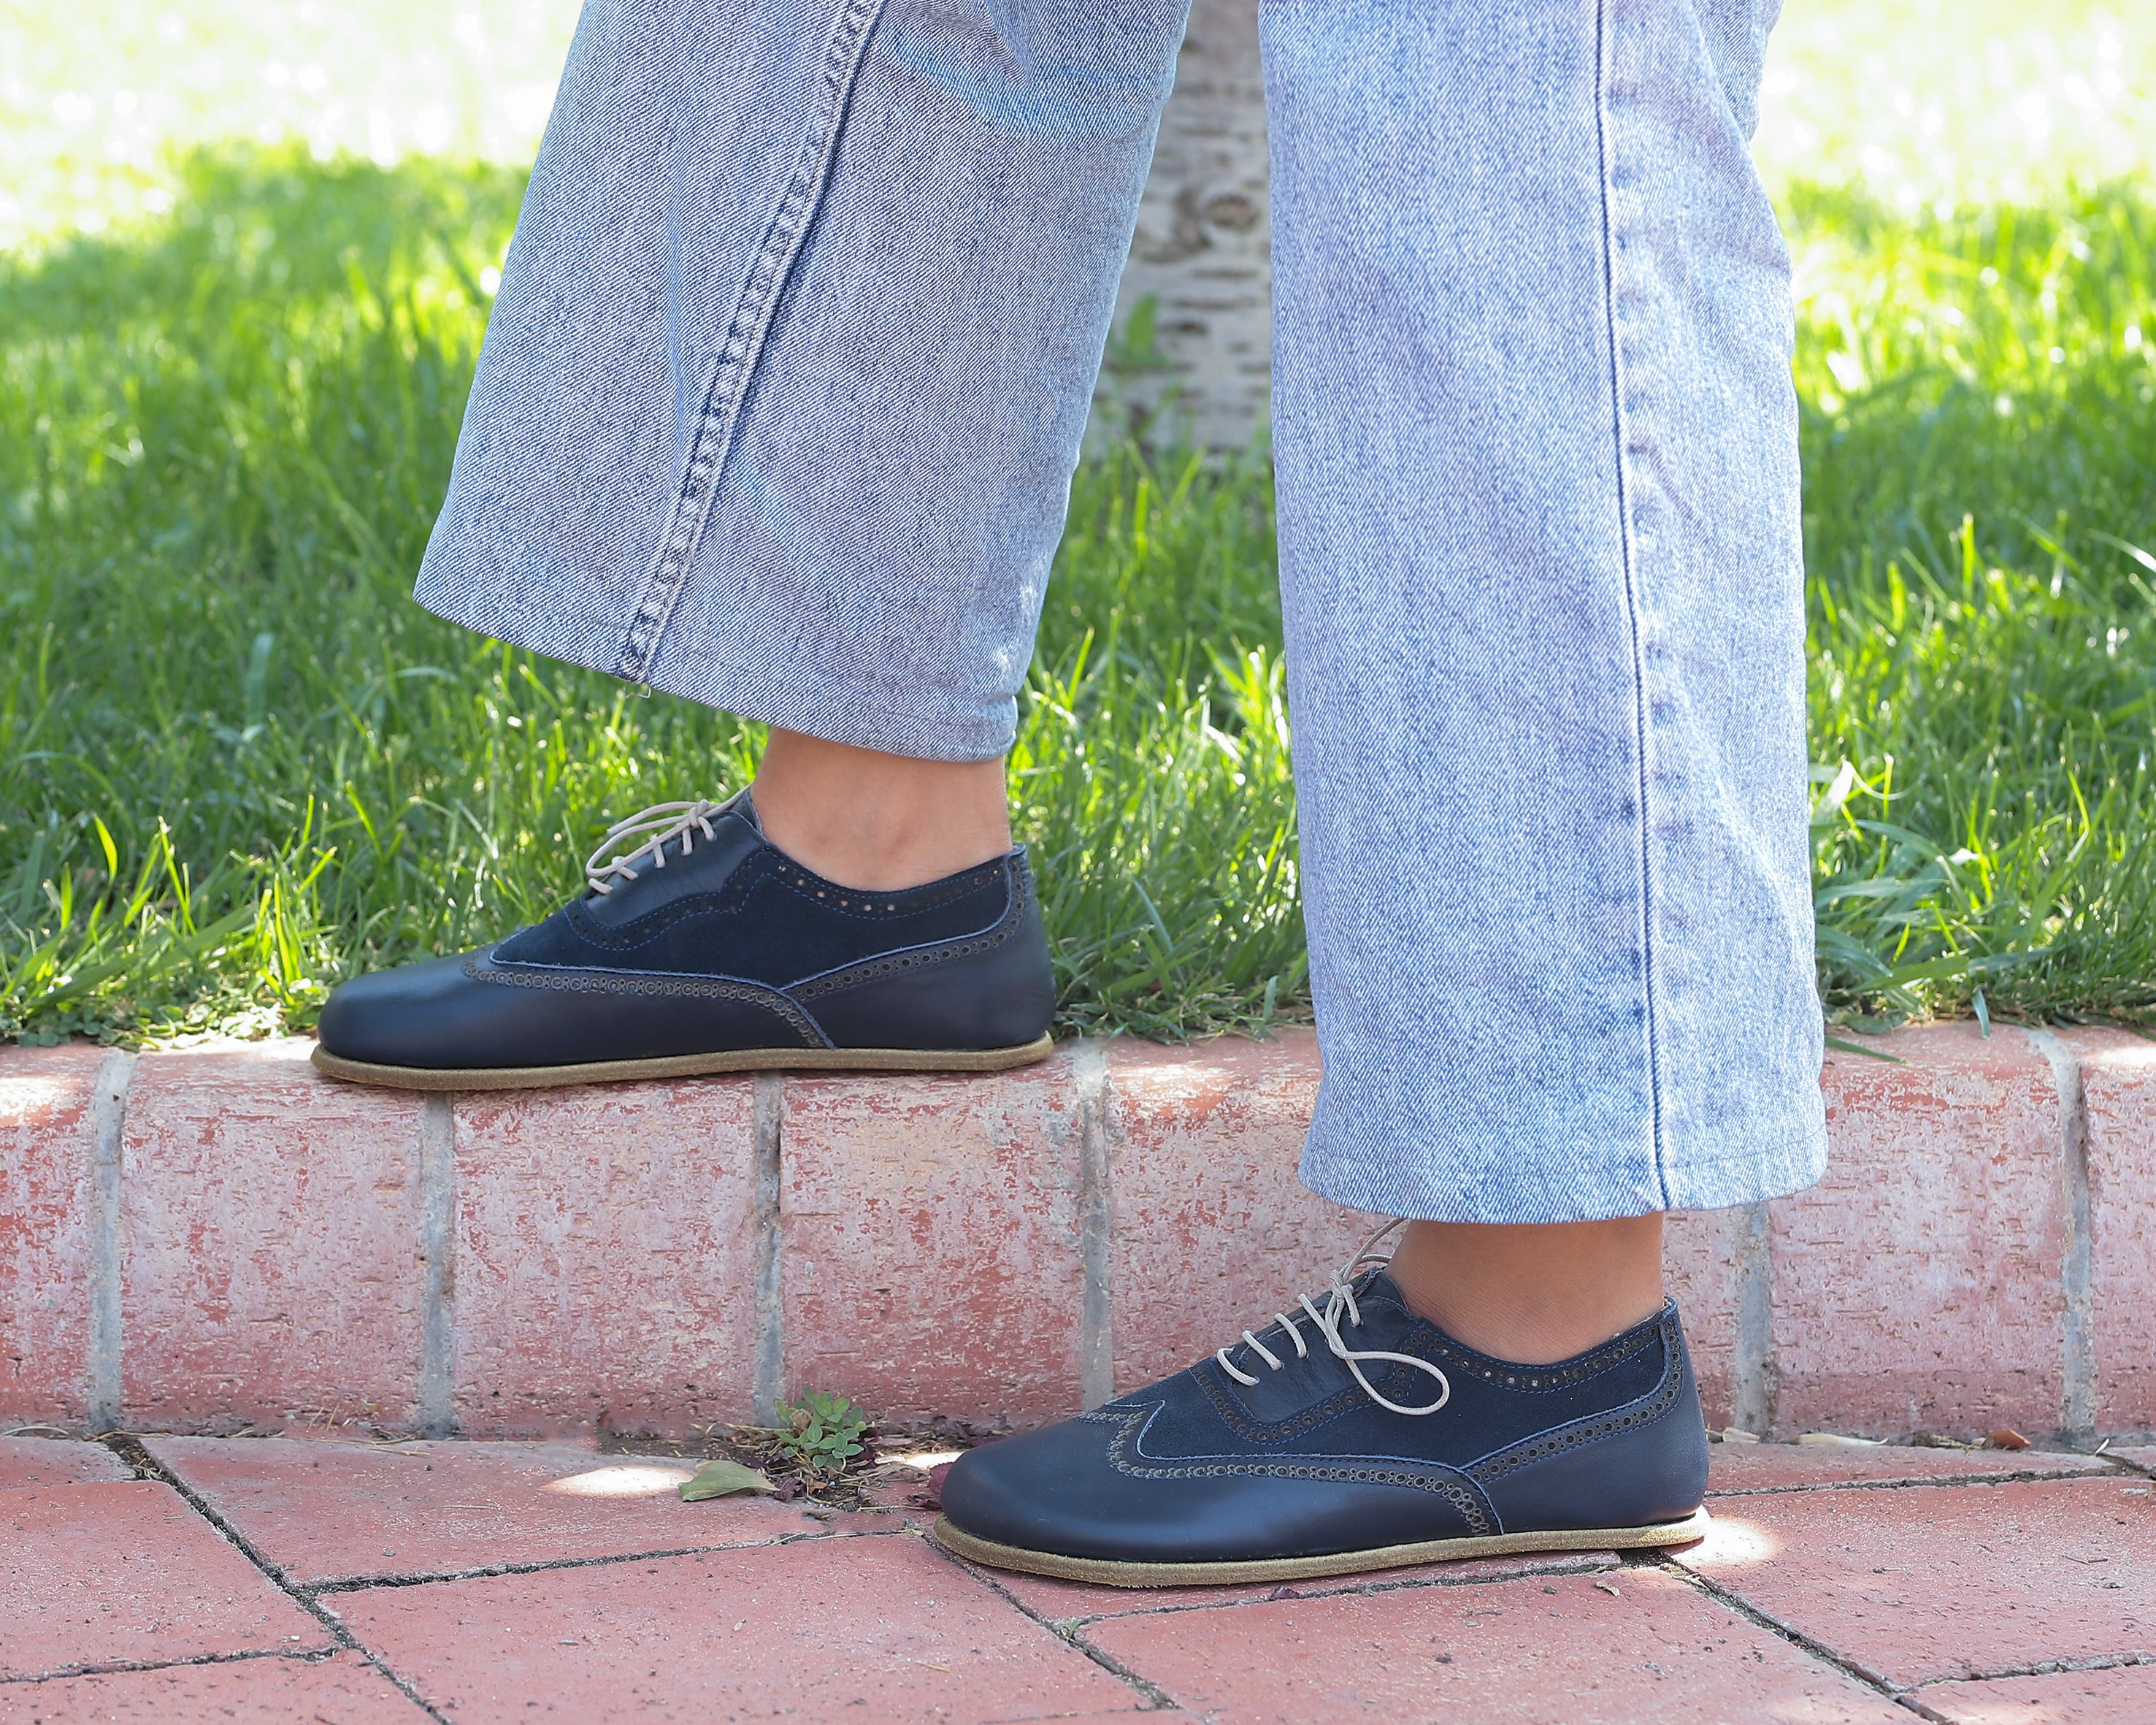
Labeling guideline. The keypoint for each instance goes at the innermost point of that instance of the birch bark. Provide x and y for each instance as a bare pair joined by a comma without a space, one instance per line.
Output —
1201,255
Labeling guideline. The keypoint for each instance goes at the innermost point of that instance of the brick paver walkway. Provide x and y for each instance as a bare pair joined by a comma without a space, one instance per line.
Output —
288,1579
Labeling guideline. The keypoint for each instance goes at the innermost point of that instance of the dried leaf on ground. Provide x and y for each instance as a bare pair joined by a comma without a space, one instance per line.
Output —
722,1479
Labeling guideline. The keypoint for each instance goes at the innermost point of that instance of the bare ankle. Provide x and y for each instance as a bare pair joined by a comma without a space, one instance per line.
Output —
1534,1293
879,822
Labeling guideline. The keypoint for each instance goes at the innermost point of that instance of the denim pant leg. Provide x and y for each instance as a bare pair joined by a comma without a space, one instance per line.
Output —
782,391
785,383
1536,439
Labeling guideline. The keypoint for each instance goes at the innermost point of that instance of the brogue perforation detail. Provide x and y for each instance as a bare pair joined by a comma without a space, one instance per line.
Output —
482,969
641,931
766,863
1539,1379
1452,1491
1236,1420
918,958
1566,1438
909,900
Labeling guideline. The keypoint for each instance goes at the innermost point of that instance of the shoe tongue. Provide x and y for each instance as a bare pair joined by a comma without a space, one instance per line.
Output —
1382,1304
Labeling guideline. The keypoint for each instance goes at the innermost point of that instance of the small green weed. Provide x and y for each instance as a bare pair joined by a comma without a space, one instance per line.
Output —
823,1437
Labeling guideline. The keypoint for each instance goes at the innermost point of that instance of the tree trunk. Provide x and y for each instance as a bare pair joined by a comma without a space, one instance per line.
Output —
1201,373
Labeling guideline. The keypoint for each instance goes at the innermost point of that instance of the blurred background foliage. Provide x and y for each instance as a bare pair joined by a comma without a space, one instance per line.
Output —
237,763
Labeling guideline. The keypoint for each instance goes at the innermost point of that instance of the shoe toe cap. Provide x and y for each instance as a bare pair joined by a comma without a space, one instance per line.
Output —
406,1016
1039,1491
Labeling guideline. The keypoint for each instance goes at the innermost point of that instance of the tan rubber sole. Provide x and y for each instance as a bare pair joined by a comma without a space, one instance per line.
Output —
1109,1574
607,1071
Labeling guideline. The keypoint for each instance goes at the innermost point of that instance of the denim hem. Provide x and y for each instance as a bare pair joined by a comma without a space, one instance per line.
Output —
839,714
781,396
815,708
1368,1178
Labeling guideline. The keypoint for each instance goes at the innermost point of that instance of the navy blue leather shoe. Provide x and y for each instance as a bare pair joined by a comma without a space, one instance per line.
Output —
705,949
1348,1435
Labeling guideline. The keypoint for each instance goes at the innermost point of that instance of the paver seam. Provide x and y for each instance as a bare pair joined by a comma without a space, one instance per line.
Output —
2021,1477
428,1578
131,1451
437,1245
114,1667
1065,1631
1096,1220
2042,1668
1905,1695
107,1120
2142,1469
1877,1682
767,1368
2078,1259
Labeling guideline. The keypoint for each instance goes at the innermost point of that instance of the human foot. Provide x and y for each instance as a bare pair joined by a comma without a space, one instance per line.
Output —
1348,1435
705,948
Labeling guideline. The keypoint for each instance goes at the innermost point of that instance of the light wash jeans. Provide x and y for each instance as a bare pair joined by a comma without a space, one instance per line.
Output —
785,384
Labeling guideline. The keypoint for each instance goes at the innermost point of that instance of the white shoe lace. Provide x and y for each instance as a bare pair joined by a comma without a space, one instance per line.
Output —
654,828
1340,1298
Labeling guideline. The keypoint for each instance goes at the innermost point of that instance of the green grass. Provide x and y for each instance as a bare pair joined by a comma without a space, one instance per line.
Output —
237,763
1980,497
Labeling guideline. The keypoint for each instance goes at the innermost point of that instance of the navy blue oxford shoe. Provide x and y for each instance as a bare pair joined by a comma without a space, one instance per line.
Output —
1348,1435
705,948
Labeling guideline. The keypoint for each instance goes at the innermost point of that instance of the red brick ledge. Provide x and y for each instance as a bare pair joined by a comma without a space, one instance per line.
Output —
201,1240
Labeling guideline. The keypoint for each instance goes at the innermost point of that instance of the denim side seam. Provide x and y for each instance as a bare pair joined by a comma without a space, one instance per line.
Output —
1620,431
743,345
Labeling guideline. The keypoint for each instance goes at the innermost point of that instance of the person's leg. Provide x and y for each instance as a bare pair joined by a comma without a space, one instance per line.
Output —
1543,594
1536,1292
866,819
1542,579
777,409
794,349
1535,439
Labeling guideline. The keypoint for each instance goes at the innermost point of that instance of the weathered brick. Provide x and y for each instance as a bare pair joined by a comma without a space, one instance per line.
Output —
1797,1467
931,1249
126,1573
1701,1255
2118,1088
323,1510
340,1690
605,1258
1640,1646
2115,1696
1917,1285
271,1239
56,1462
45,1207
869,1628
1213,1233
1918,1583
